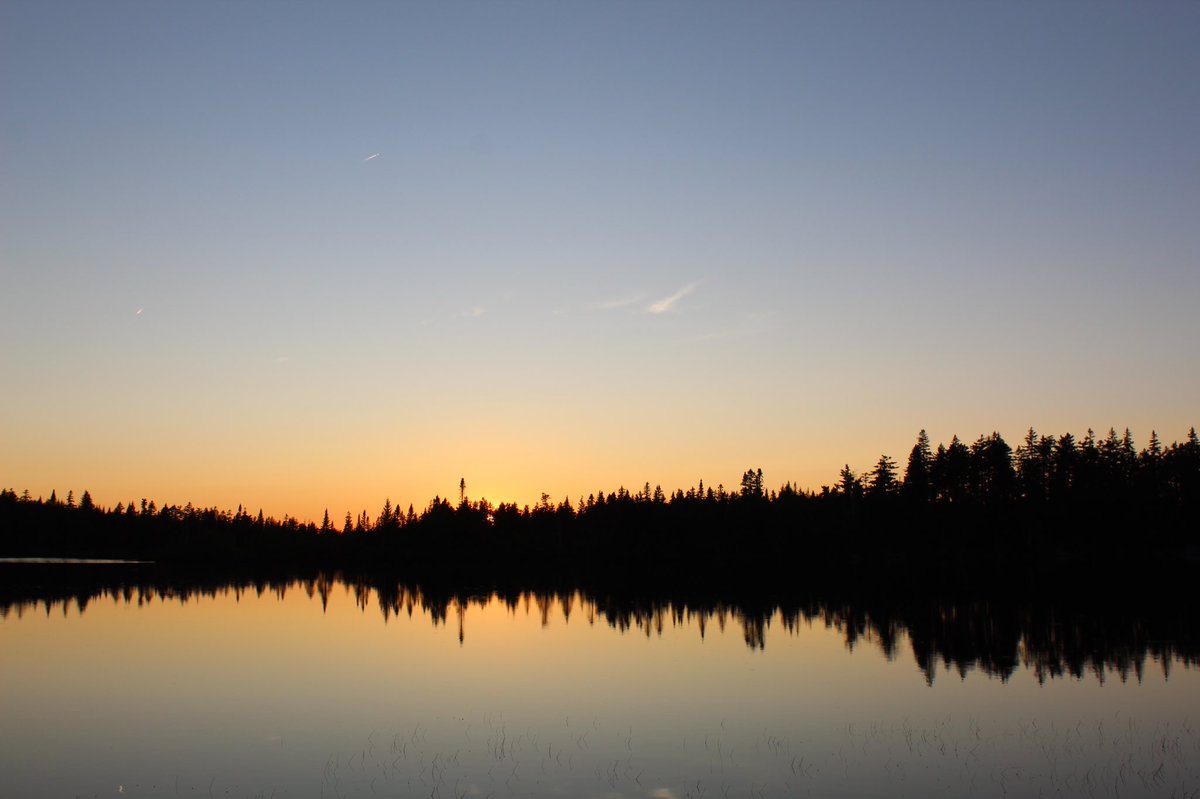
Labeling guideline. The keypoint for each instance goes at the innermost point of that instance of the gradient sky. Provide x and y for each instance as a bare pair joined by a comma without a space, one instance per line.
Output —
601,243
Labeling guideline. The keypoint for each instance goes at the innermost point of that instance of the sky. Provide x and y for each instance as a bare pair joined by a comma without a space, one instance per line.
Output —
300,256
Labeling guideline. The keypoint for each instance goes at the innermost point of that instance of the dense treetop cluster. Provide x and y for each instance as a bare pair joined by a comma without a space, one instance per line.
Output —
1048,484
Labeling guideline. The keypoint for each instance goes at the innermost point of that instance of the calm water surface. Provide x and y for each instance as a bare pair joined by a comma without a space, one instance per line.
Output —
322,689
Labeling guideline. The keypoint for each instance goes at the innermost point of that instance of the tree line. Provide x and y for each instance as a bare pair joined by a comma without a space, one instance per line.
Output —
1042,469
955,505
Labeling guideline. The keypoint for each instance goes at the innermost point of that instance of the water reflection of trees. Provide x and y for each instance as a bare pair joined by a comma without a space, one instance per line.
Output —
1051,637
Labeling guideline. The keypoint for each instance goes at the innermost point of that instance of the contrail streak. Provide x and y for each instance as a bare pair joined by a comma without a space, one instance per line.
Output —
668,303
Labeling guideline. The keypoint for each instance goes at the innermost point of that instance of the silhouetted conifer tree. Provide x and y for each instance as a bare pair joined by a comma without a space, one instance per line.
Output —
849,485
952,472
752,483
992,472
916,473
881,481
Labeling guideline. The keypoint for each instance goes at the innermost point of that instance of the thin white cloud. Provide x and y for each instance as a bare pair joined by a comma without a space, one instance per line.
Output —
138,312
473,312
369,157
623,302
667,304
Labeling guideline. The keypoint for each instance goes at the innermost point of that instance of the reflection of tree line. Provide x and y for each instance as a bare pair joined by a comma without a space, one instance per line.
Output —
958,508
1067,635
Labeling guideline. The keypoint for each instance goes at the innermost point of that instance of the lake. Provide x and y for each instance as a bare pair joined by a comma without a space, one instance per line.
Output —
330,687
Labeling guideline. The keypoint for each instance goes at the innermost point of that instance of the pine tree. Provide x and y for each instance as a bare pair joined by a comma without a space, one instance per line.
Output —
882,479
1031,468
1064,469
952,468
849,485
752,483
1153,450
916,473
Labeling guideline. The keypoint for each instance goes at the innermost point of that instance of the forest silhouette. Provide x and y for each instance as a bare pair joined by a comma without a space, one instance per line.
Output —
1052,509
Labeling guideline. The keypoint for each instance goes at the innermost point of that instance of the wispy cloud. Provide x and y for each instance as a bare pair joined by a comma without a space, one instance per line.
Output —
369,157
667,304
622,302
474,312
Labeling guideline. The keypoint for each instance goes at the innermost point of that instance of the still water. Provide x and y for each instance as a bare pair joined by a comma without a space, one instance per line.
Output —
322,688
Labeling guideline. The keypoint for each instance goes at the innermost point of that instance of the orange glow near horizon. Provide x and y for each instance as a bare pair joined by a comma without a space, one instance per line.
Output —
289,477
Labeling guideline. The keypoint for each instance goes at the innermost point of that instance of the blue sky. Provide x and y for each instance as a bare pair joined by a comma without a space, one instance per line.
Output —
874,218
